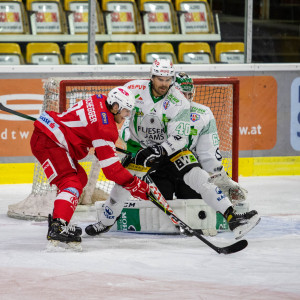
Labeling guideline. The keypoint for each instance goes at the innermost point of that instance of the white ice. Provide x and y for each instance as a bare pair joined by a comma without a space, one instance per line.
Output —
136,266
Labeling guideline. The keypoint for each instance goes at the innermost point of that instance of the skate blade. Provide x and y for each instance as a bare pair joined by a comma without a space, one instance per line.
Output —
57,246
247,227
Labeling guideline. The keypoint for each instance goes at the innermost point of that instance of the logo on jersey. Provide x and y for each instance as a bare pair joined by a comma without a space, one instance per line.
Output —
49,170
108,213
166,104
139,113
104,118
152,134
219,192
173,99
99,96
46,120
218,155
138,97
194,117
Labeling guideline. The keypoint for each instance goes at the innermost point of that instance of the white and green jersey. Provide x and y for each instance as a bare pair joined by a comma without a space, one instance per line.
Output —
163,120
204,139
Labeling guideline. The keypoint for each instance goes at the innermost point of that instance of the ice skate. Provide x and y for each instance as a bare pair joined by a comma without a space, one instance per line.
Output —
60,232
241,224
97,228
78,230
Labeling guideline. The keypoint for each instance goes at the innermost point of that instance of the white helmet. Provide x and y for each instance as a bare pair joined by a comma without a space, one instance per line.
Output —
123,96
162,67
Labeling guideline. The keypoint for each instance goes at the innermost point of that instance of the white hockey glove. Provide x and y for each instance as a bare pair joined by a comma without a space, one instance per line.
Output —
150,156
230,188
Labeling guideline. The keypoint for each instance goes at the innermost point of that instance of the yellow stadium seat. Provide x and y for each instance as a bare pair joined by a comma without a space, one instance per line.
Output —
195,53
159,16
230,53
13,17
120,54
151,51
195,16
43,54
78,16
122,16
77,54
10,54
48,17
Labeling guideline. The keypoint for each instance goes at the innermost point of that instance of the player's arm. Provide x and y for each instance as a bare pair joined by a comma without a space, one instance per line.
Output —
207,144
114,171
178,130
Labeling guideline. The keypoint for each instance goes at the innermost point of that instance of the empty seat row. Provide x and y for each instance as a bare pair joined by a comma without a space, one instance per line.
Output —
114,17
121,53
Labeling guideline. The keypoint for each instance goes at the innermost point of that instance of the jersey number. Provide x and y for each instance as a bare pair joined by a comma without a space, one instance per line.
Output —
79,112
183,128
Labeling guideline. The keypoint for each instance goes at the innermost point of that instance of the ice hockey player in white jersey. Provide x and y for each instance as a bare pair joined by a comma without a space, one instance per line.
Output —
159,131
204,142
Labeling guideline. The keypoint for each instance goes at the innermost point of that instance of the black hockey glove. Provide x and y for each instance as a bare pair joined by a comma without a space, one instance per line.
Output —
150,156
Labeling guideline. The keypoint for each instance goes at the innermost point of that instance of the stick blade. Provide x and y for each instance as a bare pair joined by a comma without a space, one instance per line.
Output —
236,247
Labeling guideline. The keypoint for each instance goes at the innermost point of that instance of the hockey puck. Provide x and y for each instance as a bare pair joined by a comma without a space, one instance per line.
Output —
202,214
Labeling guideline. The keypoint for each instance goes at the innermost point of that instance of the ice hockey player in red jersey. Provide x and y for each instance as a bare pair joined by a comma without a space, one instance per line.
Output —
59,140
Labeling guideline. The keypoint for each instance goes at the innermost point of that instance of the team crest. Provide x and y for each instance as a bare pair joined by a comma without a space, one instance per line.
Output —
166,104
194,117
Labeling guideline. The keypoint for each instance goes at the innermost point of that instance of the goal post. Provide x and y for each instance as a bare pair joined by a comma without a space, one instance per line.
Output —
220,94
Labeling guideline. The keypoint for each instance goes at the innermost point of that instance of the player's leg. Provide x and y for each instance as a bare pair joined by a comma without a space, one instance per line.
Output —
164,182
197,179
110,212
62,171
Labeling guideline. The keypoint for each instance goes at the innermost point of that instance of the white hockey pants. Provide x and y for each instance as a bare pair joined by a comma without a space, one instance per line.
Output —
197,179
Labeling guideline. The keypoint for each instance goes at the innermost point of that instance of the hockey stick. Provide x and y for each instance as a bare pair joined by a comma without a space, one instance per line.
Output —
4,108
157,199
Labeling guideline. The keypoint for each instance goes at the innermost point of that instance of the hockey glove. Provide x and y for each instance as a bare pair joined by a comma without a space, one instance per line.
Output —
230,188
138,188
150,156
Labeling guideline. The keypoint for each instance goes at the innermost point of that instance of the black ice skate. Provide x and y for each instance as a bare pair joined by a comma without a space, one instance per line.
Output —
78,230
60,231
240,224
97,228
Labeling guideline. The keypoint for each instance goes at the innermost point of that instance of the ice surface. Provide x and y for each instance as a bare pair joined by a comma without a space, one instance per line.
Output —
137,266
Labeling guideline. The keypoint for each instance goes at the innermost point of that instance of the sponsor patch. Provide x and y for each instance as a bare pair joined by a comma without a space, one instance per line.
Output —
49,170
218,155
139,168
48,121
220,193
104,118
99,96
183,159
108,213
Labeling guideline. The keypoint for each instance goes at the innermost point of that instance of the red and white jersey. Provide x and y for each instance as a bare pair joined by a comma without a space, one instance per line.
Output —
85,125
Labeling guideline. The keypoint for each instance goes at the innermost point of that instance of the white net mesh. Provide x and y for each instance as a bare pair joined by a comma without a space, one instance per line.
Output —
60,94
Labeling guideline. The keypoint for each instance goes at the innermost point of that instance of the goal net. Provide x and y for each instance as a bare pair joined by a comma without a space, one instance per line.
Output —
220,94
